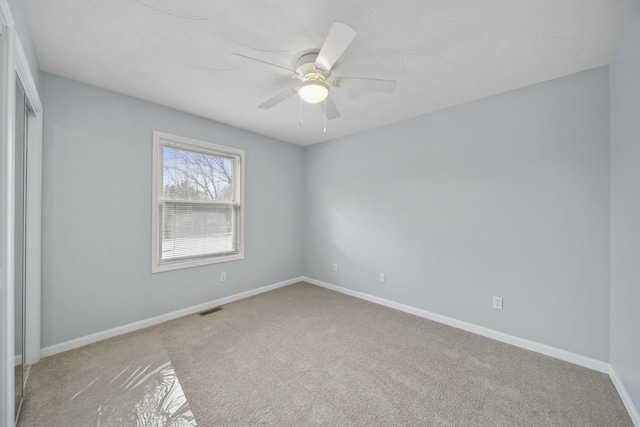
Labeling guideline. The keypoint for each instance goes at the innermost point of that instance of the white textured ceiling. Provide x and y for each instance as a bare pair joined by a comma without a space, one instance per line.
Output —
442,53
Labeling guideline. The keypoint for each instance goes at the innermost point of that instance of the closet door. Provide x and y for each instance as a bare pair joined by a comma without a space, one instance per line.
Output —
19,245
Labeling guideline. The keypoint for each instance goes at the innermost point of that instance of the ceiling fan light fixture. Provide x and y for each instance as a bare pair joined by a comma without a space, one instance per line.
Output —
313,91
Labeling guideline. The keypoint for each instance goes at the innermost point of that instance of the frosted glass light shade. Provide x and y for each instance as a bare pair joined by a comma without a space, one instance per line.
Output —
313,91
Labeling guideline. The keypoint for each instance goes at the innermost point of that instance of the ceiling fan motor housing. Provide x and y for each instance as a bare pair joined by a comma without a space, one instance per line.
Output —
305,66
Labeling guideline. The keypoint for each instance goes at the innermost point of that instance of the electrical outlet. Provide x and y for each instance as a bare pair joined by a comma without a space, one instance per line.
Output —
382,277
223,276
497,303
335,267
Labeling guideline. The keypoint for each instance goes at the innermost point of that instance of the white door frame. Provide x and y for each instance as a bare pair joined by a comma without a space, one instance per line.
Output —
13,62
7,107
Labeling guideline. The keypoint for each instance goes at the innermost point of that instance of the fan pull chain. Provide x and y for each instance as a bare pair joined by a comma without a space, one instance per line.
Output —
300,111
325,115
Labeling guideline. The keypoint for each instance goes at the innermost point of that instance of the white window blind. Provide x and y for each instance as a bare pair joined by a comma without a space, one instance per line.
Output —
198,203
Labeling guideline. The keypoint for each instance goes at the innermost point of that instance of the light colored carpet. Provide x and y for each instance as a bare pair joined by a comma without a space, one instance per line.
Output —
306,356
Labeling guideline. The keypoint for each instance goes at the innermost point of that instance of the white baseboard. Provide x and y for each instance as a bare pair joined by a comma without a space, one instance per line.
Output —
624,395
479,330
99,336
557,353
470,327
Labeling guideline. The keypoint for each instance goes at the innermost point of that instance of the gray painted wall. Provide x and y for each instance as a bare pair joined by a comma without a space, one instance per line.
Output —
97,212
625,211
506,196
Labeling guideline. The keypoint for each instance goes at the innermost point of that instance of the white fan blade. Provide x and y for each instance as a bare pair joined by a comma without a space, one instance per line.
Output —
357,83
278,98
264,65
339,38
331,109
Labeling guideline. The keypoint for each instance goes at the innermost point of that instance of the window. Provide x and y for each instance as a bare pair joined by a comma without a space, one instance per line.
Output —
198,211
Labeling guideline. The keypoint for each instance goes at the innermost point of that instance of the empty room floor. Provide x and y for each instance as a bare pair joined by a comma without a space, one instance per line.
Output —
306,356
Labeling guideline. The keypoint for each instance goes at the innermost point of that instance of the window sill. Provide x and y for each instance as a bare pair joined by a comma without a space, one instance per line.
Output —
179,265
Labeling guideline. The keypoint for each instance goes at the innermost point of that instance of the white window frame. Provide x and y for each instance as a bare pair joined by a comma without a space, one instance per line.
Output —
161,139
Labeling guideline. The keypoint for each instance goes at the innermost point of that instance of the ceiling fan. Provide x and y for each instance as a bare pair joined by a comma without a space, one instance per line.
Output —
314,70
